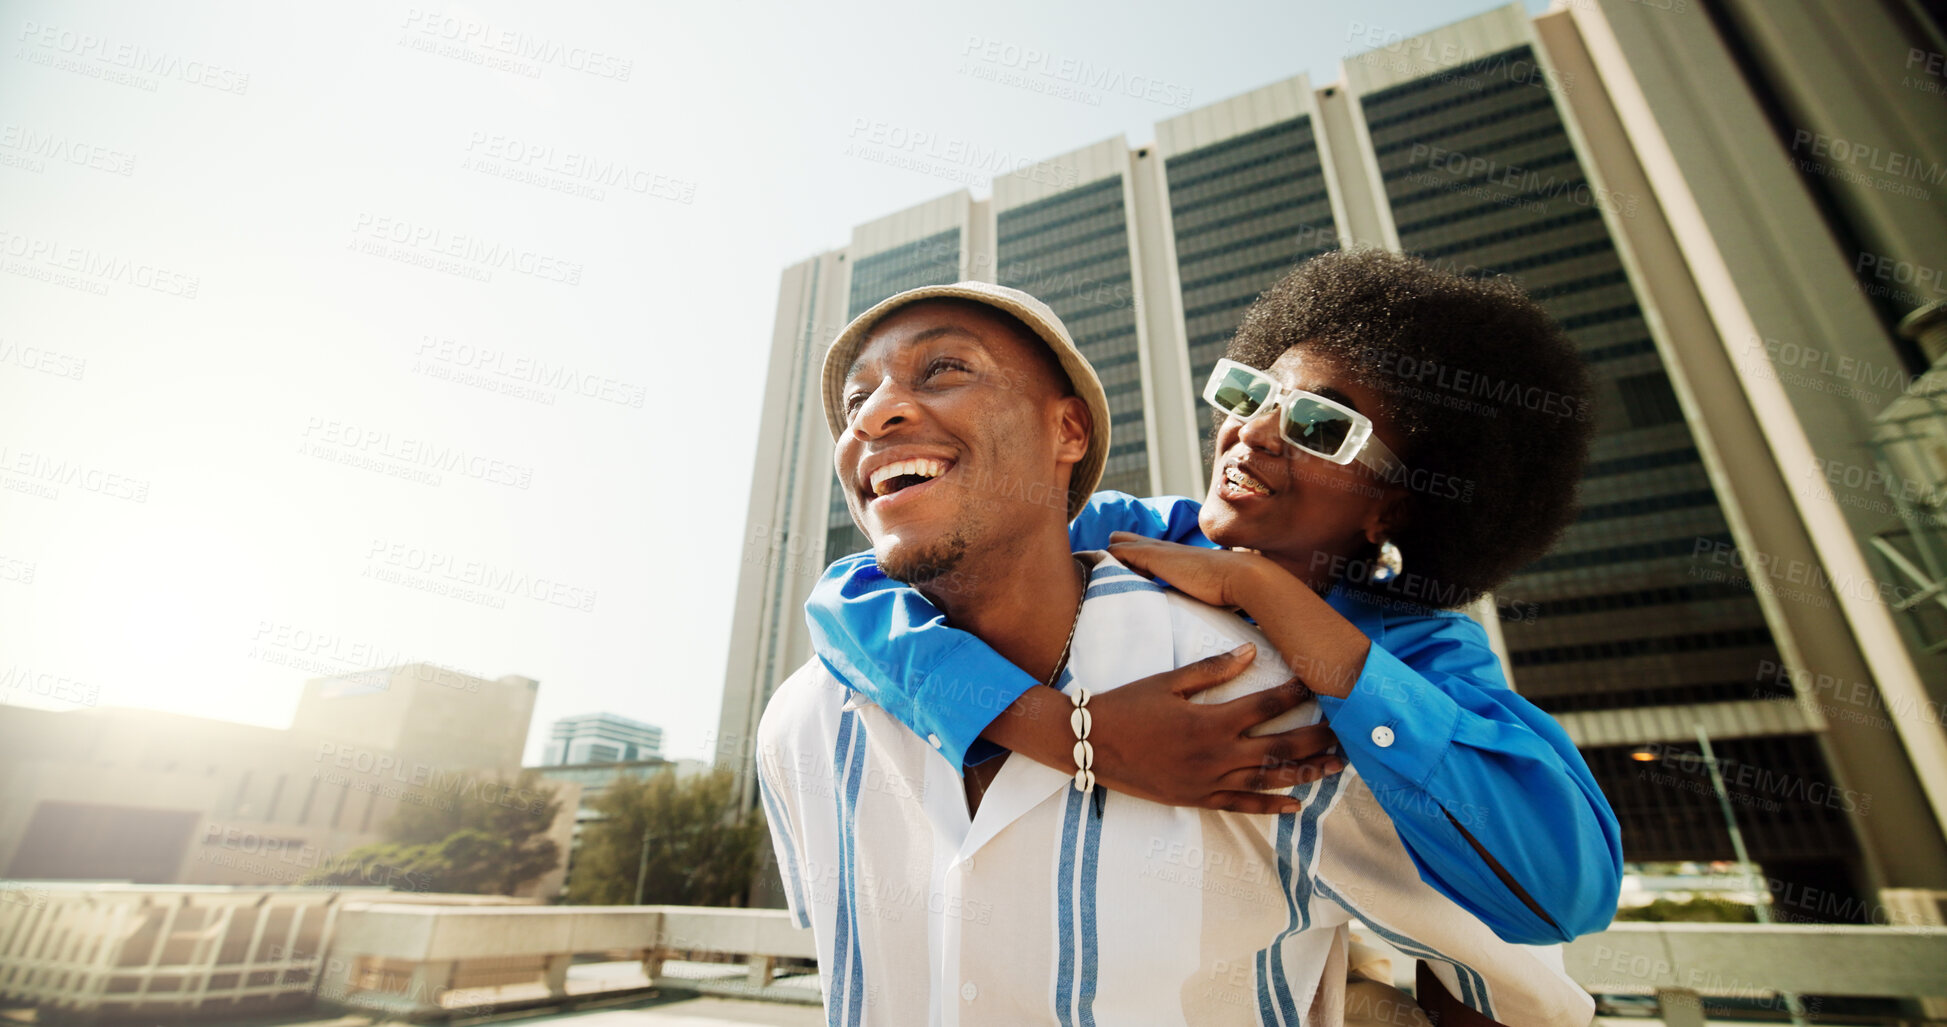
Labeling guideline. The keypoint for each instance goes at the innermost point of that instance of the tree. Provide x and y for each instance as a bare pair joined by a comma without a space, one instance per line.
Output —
700,851
488,837
499,804
1699,909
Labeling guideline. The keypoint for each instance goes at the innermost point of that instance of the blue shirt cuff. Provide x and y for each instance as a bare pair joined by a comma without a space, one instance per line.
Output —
1394,724
967,688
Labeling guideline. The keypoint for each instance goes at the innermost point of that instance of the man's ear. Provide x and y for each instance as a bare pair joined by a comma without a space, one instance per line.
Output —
1072,430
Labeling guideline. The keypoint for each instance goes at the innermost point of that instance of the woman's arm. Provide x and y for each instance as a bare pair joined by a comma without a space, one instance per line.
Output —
884,639
1493,802
1488,793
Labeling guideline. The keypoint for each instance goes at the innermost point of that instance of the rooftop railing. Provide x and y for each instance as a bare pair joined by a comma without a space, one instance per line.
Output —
187,952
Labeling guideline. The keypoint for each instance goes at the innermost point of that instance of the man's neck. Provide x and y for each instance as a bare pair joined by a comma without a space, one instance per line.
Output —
1021,602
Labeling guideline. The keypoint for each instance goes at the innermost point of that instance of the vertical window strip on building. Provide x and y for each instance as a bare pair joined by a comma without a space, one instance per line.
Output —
1071,251
933,260
1224,263
1452,148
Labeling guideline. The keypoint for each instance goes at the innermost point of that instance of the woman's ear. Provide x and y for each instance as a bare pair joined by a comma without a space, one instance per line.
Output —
1387,516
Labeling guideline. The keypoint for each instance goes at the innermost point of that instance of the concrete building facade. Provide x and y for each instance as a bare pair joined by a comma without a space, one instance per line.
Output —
159,798
1753,247
602,738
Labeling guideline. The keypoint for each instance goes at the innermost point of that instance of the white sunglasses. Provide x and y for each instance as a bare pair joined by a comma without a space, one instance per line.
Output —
1309,421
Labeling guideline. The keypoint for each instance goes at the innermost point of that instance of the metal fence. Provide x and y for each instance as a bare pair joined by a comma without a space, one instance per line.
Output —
131,950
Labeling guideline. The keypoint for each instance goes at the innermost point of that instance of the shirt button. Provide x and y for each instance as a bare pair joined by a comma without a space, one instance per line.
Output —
1382,736
934,739
969,992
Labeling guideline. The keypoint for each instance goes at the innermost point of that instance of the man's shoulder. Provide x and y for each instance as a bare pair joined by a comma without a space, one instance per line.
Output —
1197,630
1204,631
807,700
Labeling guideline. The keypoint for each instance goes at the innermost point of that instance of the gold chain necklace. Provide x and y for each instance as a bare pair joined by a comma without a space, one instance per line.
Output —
1061,664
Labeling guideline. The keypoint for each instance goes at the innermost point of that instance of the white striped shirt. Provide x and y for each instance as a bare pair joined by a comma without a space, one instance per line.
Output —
1052,907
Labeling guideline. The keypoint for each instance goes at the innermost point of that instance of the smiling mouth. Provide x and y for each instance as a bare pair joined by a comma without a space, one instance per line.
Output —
905,474
1244,482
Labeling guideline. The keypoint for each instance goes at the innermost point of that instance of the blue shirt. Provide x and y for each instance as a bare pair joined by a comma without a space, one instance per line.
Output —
1454,756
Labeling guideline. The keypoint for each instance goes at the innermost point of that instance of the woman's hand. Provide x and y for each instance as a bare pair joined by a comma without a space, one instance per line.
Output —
1321,646
1152,742
1221,577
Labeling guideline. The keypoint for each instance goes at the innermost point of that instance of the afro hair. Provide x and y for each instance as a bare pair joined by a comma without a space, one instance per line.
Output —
1477,382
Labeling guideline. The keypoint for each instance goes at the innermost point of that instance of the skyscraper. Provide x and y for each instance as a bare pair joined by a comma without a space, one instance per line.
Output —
1479,172
1071,243
1504,145
926,246
1248,200
602,738
1751,248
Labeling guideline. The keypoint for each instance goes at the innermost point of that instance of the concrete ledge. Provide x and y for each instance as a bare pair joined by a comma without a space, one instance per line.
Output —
1753,959
423,961
749,931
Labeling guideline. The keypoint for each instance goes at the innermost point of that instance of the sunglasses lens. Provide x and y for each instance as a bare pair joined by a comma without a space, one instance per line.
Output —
1240,392
1316,426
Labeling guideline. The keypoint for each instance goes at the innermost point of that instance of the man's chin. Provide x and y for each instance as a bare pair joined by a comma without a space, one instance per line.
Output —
917,561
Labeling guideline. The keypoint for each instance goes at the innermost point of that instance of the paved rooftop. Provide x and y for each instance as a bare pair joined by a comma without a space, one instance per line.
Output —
703,1011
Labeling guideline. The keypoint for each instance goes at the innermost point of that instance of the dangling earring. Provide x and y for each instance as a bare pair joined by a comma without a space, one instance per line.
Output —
1389,564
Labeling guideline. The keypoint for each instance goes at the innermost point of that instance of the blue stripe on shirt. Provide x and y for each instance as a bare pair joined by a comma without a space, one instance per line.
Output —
1064,997
1118,587
1267,1007
1473,987
848,972
773,809
856,776
1275,996
1075,890
1091,864
842,921
1110,572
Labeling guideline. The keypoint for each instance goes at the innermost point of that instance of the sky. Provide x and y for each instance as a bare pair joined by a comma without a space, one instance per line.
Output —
345,336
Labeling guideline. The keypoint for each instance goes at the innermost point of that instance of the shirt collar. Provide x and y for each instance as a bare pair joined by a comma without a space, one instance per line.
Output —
1124,634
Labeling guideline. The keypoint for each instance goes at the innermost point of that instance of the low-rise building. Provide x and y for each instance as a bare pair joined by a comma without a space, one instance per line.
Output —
161,798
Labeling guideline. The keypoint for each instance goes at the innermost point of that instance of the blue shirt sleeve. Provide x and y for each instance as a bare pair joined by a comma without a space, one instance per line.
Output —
1451,752
1170,518
884,639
